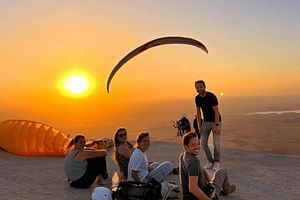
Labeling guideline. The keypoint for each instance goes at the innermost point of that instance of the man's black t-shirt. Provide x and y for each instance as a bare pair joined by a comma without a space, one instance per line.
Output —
206,104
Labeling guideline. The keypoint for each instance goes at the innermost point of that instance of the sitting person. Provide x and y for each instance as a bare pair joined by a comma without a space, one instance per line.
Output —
123,150
82,166
139,169
194,179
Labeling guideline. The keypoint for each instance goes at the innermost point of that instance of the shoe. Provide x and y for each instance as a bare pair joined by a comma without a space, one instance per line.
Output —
102,181
216,166
232,188
209,165
175,171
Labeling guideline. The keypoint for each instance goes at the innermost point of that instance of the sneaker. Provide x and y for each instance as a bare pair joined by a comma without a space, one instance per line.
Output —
175,171
209,165
232,188
216,165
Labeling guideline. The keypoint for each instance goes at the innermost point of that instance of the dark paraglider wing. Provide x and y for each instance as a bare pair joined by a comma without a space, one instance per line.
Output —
150,44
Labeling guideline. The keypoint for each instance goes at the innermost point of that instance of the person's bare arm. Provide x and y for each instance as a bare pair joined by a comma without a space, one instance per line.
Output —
86,154
135,175
217,128
195,190
206,175
125,151
199,119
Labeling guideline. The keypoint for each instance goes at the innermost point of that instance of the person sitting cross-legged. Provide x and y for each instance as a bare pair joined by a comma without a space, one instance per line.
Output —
139,168
194,179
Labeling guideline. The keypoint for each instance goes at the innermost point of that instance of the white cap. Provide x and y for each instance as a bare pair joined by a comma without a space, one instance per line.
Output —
102,193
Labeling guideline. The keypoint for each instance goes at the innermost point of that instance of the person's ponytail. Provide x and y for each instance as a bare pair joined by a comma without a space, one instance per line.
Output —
71,143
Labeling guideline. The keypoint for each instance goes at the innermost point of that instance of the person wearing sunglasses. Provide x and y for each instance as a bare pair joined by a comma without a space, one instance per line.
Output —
123,149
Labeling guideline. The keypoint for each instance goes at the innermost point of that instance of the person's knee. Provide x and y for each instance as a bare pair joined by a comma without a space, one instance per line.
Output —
221,171
169,166
153,165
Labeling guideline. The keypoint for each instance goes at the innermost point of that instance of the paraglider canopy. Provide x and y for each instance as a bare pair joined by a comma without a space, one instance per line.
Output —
150,44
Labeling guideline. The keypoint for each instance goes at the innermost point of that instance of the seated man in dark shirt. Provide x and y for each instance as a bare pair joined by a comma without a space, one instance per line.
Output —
194,179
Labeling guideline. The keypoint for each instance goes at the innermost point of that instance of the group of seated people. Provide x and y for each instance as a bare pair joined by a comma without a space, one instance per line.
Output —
83,165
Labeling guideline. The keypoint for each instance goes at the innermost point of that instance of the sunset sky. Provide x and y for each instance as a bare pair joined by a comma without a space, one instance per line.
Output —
253,51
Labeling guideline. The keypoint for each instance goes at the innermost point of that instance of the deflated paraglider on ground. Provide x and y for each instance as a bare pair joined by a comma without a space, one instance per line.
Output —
150,44
32,138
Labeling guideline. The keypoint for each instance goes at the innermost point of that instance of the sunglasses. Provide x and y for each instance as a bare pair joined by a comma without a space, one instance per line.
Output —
122,134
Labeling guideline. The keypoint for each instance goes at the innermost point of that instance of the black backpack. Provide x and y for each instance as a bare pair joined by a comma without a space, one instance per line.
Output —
131,190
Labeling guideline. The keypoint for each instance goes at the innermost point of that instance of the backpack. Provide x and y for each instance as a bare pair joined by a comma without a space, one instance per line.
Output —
132,190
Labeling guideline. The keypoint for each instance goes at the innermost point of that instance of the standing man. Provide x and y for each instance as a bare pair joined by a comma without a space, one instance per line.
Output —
195,181
207,103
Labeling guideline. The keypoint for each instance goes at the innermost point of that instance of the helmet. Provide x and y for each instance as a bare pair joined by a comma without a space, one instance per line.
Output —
102,193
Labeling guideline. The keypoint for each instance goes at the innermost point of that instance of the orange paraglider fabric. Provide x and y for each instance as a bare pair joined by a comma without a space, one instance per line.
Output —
32,139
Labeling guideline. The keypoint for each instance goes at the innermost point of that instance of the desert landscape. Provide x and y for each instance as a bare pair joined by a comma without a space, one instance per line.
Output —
260,176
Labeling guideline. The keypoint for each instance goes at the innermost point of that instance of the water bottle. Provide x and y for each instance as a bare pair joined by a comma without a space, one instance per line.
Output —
115,181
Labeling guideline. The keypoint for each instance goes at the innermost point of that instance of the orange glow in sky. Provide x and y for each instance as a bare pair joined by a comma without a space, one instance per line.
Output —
55,58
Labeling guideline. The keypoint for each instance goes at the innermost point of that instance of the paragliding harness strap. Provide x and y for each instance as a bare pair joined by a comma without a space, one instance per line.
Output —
132,190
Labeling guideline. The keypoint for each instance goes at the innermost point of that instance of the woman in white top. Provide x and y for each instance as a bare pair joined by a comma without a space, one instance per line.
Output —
138,168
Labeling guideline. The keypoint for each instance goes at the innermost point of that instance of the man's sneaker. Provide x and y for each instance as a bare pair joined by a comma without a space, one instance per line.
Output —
232,188
175,171
216,165
209,165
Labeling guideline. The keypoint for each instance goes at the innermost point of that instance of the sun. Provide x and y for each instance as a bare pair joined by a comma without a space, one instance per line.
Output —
76,84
